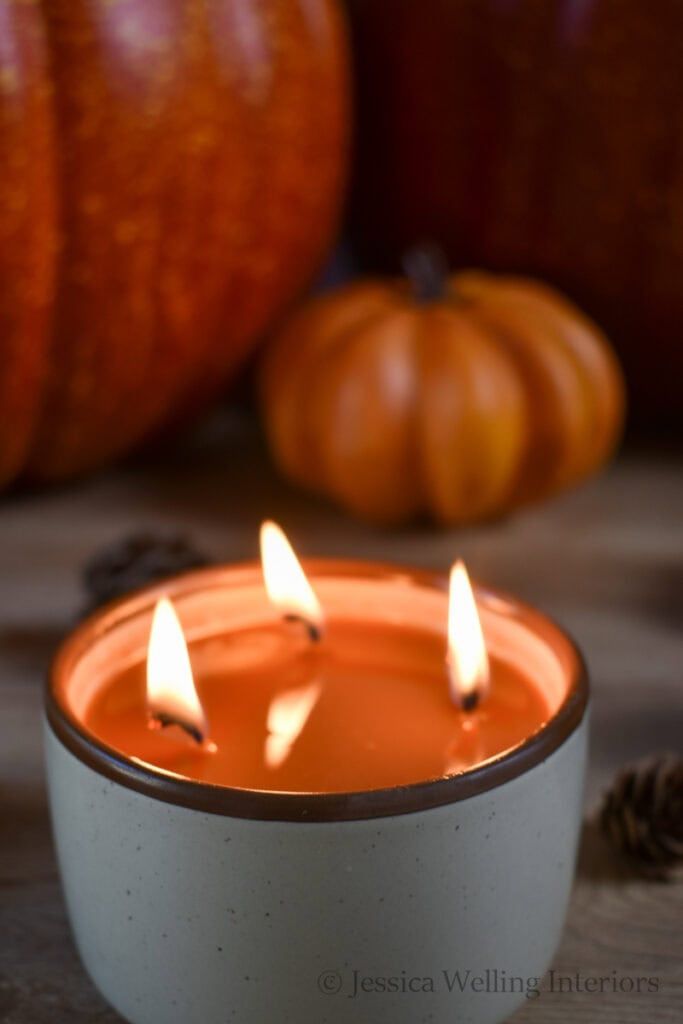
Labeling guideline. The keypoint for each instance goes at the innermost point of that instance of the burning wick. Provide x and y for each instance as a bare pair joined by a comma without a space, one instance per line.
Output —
171,695
467,659
314,631
470,701
162,720
286,583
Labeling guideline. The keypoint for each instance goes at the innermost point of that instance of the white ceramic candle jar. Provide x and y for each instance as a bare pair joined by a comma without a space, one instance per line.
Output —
440,901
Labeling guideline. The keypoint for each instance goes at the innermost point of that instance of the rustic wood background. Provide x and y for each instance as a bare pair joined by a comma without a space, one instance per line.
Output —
607,561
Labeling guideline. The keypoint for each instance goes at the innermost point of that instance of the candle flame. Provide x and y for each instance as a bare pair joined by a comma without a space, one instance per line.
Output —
287,716
171,695
467,660
285,580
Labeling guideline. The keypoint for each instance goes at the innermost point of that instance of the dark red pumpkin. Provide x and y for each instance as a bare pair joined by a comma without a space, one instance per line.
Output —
540,136
171,173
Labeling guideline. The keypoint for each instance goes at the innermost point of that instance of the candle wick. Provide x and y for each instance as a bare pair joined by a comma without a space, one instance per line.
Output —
162,720
314,631
469,701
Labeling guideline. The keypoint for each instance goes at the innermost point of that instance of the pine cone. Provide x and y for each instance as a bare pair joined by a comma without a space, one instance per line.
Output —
642,815
134,562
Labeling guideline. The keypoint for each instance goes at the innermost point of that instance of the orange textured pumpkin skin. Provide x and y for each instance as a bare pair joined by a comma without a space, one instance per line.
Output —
172,177
461,408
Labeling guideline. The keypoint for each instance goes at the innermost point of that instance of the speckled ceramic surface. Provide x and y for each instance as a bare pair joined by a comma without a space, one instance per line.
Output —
183,916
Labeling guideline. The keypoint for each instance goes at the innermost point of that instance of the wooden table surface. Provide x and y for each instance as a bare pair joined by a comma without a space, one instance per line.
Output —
607,561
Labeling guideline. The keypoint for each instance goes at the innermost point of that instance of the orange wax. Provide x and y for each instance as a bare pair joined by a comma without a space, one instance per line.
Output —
367,708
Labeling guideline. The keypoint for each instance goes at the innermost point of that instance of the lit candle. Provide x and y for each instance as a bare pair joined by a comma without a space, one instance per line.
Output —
297,700
257,785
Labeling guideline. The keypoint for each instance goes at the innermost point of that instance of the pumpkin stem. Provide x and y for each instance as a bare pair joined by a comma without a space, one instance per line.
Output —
426,266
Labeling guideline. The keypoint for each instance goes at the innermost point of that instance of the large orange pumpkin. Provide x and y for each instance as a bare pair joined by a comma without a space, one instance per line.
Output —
170,176
460,398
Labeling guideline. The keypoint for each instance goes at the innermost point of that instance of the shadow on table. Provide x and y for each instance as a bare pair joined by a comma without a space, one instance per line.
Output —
599,862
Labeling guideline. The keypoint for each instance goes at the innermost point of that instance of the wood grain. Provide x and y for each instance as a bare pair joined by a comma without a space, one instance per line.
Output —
607,561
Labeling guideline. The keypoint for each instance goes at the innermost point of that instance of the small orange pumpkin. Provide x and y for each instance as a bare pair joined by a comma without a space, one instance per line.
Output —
457,396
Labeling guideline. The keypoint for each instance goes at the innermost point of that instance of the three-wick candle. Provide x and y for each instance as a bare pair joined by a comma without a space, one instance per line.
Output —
334,684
